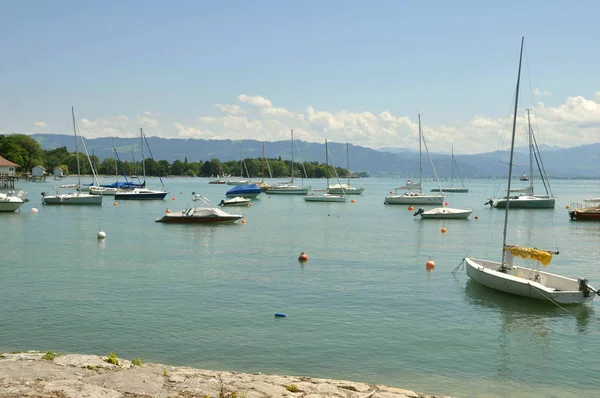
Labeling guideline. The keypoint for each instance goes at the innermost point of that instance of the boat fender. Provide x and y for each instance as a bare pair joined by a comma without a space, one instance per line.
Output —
420,211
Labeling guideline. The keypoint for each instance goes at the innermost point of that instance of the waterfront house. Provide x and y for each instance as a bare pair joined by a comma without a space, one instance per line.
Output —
38,171
7,167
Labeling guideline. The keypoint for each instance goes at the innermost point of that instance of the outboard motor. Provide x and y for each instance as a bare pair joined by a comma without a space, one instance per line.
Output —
43,193
420,211
572,214
222,202
489,202
584,287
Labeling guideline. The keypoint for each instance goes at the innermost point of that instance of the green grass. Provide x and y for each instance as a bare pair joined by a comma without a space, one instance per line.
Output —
112,358
49,356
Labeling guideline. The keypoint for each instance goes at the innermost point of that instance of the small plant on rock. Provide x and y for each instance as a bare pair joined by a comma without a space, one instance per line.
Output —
49,356
112,358
136,362
293,388
90,367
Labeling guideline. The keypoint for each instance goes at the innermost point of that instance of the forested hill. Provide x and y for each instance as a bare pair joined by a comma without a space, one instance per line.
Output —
583,161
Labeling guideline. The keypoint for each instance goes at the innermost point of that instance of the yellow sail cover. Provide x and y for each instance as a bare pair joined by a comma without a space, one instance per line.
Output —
543,256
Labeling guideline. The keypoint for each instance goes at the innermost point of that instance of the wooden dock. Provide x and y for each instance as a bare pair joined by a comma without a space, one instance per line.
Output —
8,181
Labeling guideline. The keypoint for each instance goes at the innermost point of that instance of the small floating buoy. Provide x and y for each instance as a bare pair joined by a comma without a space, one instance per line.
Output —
249,204
429,265
101,234
168,211
280,315
443,230
34,210
243,221
352,201
477,217
173,198
390,192
446,203
567,207
269,197
410,208
303,257
115,204
181,193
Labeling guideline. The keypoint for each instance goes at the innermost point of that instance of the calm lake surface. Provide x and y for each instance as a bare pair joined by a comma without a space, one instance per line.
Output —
363,308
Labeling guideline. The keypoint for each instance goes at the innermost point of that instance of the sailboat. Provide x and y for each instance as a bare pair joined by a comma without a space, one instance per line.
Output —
72,198
418,197
241,180
289,188
521,281
142,193
327,197
526,199
345,189
262,184
452,188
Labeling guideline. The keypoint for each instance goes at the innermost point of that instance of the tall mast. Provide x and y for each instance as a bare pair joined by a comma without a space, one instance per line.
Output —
76,151
530,151
348,161
262,164
326,164
292,181
420,157
512,152
143,163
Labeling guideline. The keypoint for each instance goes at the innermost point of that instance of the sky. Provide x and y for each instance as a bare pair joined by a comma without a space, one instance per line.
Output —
346,71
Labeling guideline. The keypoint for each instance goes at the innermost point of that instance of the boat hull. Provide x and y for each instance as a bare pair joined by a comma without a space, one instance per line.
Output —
526,202
10,206
288,191
414,200
180,219
140,195
451,190
345,191
447,214
72,199
527,282
326,198
585,214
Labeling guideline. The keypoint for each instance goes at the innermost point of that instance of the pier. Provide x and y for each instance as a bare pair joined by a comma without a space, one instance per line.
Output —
7,181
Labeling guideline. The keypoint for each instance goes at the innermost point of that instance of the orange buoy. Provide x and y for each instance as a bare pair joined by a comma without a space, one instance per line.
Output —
567,207
303,257
477,217
173,198
181,193
410,208
446,203
390,192
430,265
243,221
443,230
115,204
352,201
250,204
168,211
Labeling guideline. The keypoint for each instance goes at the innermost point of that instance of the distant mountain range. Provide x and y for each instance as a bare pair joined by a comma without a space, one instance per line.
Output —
582,161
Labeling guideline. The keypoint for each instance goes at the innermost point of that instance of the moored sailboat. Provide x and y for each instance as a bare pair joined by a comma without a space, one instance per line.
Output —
521,281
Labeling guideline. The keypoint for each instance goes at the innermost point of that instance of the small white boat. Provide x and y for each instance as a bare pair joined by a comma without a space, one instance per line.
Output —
237,201
326,197
207,214
444,213
10,202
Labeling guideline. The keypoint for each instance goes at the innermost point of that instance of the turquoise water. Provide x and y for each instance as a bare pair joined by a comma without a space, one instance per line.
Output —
363,308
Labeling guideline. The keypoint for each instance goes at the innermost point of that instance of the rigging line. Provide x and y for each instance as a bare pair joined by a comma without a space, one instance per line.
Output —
152,156
537,162
431,162
549,298
545,175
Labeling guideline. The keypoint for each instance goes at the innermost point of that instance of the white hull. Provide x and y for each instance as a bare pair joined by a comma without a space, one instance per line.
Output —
414,199
102,191
326,198
10,203
345,191
527,282
526,202
72,199
446,213
288,190
237,201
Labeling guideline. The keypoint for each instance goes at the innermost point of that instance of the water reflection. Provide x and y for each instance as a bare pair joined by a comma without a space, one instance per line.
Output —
524,314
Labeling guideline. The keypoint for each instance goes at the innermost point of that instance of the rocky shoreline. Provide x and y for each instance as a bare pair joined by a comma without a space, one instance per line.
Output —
26,374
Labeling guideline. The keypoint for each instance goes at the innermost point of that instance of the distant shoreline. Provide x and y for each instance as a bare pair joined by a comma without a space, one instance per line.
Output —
35,373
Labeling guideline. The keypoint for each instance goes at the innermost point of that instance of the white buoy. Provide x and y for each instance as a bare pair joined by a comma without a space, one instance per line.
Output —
34,210
101,234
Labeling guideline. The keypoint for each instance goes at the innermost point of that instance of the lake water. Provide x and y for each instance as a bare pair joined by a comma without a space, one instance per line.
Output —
362,308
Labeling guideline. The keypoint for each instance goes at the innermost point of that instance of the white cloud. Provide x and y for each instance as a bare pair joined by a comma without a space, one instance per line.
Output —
574,122
258,101
539,93
40,124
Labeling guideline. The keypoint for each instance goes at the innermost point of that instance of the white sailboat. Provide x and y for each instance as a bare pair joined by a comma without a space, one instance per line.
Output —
526,199
72,198
142,193
289,188
418,197
452,188
327,197
522,281
345,189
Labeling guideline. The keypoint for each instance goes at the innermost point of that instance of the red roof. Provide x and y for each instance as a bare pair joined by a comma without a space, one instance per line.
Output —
4,162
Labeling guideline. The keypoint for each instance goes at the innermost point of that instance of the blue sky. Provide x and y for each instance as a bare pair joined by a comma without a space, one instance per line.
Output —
341,70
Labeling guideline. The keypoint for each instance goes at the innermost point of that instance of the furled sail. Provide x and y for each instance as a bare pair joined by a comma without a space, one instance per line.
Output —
543,256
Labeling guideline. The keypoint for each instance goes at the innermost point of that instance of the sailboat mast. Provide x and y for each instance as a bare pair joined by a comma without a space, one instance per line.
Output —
326,164
76,151
512,152
292,181
530,151
348,161
420,158
143,163
452,168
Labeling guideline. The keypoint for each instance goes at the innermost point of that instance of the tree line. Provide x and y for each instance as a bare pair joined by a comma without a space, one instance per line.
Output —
27,152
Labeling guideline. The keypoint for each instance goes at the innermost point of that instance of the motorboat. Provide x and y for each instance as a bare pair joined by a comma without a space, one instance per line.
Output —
237,201
10,202
140,194
249,191
326,197
585,213
206,213
444,213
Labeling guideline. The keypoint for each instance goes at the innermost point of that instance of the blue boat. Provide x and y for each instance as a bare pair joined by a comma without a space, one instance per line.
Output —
249,191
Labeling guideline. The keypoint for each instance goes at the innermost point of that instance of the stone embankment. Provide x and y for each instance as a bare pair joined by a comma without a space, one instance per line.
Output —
76,376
